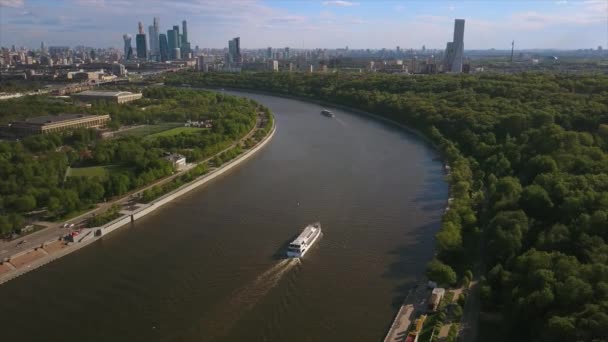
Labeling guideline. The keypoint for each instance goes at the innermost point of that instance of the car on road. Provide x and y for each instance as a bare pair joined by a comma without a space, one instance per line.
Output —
71,225
21,242
65,225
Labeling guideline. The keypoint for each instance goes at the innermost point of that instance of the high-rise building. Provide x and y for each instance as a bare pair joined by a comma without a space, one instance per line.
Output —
269,53
151,40
163,46
185,44
231,49
153,32
234,50
178,39
154,39
172,36
454,52
141,46
286,55
128,49
184,32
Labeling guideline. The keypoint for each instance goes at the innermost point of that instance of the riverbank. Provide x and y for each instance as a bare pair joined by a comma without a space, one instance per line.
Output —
49,251
413,131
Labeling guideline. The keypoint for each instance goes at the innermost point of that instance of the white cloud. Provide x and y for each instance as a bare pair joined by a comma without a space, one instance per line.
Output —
11,3
261,23
340,3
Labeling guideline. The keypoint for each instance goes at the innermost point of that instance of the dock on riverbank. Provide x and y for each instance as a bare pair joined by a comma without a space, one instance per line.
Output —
25,261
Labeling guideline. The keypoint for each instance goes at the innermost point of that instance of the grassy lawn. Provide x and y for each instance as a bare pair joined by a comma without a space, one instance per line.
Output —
100,171
176,131
149,129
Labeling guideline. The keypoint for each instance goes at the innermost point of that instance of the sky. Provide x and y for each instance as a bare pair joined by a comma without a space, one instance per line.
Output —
561,24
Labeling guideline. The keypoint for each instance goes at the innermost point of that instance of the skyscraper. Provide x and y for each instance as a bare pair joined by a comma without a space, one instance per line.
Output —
458,45
128,50
140,43
185,44
178,39
163,47
231,50
172,37
155,37
269,53
184,32
141,46
151,40
234,50
153,32
237,43
454,51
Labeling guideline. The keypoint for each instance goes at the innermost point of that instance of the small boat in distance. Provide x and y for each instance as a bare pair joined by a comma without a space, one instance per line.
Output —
327,113
298,247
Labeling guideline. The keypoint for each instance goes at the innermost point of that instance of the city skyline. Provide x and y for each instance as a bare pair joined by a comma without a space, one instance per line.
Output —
315,24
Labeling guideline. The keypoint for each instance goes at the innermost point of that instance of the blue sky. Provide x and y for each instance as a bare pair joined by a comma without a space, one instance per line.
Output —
564,24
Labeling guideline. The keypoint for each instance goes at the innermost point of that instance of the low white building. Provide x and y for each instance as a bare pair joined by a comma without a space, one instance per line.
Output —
177,160
436,297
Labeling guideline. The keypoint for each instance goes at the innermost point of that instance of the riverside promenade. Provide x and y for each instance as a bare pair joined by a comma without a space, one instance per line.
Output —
45,252
414,304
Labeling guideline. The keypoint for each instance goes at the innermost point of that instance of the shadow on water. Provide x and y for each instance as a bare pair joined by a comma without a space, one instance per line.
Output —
411,257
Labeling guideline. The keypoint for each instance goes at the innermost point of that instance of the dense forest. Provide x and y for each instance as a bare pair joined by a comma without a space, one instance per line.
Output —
529,182
34,174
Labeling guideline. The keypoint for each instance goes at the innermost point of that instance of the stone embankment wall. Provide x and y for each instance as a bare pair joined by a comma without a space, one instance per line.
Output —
148,208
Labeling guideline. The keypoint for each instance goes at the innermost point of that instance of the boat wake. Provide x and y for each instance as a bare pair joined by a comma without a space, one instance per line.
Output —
244,299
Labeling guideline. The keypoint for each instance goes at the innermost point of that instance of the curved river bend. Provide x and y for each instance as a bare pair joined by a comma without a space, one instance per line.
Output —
206,267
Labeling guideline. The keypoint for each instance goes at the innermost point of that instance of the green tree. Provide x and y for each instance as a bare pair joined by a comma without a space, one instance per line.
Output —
25,203
560,329
5,225
440,272
536,201
449,237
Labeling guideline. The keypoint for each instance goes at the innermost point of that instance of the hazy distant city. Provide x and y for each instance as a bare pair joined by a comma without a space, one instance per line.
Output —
154,50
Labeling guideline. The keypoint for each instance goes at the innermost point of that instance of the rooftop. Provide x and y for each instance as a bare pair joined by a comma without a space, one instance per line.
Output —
106,93
438,291
41,120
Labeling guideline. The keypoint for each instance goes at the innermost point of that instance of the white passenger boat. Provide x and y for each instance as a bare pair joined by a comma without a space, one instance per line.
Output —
298,247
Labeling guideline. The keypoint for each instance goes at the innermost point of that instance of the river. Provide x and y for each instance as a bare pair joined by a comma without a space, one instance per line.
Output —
208,266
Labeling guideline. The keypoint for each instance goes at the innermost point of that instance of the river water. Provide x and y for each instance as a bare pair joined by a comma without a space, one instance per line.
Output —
207,267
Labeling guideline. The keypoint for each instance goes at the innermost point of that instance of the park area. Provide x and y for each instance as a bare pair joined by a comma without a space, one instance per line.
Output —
145,130
93,171
176,131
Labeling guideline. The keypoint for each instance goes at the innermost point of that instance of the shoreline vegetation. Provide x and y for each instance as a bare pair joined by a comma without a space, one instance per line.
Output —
114,217
50,177
529,192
